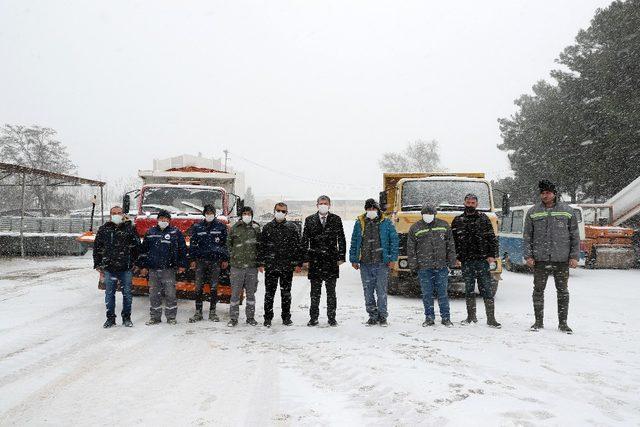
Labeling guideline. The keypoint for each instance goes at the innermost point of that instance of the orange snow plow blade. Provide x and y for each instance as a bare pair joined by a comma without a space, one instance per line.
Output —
185,289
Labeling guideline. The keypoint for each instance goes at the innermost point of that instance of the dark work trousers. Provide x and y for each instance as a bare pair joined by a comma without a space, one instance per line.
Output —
207,271
271,279
316,293
542,271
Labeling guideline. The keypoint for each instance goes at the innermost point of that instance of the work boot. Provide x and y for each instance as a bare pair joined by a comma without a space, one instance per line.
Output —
333,322
383,322
471,311
267,323
171,321
538,310
565,328
447,323
490,307
109,323
152,322
232,323
428,321
312,322
126,322
213,316
287,322
563,311
372,321
196,317
252,322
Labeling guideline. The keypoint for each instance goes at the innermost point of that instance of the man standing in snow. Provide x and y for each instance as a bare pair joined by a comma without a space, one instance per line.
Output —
115,251
280,254
208,255
551,246
324,249
374,251
243,244
430,253
163,251
477,249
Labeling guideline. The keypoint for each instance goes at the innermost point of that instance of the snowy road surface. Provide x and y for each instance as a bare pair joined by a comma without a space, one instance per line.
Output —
58,366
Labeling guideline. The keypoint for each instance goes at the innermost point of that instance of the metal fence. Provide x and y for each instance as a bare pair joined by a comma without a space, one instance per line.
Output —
48,225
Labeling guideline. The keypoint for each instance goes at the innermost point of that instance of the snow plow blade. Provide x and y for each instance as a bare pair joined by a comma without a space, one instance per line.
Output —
185,288
612,257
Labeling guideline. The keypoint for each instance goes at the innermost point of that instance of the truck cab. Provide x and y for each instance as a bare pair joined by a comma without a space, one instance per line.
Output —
402,199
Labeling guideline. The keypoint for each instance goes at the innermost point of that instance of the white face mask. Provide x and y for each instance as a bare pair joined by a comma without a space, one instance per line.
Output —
209,217
280,216
247,219
163,224
372,214
428,217
323,209
116,219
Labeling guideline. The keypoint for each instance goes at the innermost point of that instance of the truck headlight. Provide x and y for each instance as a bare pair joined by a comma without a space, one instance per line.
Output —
403,263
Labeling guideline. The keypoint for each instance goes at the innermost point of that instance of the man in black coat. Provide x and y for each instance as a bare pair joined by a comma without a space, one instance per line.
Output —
115,250
476,249
280,254
324,248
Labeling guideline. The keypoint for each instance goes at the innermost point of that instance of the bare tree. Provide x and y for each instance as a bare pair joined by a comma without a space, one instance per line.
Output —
36,147
419,156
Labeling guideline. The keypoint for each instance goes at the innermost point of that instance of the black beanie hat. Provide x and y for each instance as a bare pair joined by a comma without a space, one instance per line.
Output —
208,208
371,203
163,213
546,185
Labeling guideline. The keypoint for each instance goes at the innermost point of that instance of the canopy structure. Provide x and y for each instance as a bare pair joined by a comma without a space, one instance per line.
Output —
51,179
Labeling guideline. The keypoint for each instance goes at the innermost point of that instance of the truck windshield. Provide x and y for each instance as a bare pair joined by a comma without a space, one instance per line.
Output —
445,195
180,199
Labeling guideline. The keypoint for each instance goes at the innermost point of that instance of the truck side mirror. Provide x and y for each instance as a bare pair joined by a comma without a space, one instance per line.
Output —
126,204
506,205
239,206
383,200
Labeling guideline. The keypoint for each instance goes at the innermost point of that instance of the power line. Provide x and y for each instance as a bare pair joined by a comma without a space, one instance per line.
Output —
304,178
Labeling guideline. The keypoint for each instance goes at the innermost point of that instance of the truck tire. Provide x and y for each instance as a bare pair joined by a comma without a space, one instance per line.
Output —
393,286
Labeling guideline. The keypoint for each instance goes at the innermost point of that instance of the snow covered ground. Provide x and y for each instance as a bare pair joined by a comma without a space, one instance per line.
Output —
58,366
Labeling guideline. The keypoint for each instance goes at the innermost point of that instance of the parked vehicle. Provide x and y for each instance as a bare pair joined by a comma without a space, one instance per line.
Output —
402,199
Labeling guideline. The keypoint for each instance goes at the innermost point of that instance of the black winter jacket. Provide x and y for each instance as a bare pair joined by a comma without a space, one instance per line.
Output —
279,247
116,247
474,237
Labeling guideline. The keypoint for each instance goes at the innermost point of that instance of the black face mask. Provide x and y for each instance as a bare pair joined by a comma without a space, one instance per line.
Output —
469,209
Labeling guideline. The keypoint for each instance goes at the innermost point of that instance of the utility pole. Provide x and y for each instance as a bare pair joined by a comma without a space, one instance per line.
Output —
226,158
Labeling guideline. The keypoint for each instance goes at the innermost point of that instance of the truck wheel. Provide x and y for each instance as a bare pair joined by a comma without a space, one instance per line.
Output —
393,285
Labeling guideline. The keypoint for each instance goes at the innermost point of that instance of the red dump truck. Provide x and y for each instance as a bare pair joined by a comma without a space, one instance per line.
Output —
183,191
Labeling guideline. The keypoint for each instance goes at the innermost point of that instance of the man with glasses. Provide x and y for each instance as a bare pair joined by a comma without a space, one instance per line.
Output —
280,255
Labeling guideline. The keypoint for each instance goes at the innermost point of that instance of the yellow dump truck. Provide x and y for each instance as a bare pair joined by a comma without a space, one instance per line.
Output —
402,199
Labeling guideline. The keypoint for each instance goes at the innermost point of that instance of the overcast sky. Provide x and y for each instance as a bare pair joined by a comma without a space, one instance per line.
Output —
315,90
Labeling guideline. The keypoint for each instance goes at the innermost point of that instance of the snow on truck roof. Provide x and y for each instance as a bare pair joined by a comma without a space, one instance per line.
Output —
195,186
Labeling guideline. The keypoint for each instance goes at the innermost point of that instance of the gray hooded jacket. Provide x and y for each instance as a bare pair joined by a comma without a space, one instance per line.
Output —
430,245
551,234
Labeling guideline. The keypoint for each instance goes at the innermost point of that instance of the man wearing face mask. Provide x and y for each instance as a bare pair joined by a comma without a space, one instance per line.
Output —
477,249
324,249
374,251
115,251
430,253
163,252
208,254
242,244
280,255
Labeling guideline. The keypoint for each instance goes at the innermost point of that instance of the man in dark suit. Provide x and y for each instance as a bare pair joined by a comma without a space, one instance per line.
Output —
324,247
